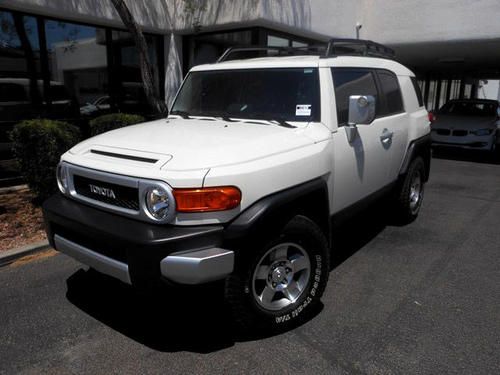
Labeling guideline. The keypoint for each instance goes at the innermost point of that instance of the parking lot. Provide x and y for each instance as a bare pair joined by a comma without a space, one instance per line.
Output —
417,299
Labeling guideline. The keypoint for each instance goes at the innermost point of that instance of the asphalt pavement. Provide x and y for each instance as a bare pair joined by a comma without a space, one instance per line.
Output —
418,299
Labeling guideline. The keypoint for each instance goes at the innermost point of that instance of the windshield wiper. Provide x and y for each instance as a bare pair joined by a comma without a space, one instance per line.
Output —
183,114
282,122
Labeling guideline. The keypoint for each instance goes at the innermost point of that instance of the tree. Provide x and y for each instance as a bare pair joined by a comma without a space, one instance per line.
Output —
148,79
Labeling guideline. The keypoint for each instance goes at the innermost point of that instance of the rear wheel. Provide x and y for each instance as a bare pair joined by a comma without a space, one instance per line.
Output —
410,192
280,284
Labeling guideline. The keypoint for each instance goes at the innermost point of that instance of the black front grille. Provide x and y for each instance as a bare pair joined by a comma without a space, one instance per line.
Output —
443,131
460,133
113,194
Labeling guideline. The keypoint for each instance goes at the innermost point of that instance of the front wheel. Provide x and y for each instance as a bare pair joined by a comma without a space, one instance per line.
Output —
277,285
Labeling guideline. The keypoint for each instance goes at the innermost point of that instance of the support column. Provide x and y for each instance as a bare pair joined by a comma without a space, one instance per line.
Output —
462,88
437,95
426,89
448,90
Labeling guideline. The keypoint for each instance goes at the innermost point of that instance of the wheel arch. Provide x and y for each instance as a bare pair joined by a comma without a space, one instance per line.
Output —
270,214
418,147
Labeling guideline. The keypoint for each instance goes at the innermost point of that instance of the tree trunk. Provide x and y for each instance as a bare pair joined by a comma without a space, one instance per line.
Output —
29,55
148,79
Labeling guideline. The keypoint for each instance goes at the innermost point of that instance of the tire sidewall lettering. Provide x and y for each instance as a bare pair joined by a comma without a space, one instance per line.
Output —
310,296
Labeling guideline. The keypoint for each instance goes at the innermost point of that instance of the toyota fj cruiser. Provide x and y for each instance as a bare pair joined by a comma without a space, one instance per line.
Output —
244,178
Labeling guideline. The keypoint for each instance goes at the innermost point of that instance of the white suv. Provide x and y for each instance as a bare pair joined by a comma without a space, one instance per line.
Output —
244,179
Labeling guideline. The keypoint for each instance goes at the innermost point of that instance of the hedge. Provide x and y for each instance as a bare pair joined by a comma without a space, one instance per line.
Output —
37,146
113,121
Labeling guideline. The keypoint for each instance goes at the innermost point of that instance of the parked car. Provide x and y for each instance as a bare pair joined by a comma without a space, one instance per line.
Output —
243,180
99,106
470,124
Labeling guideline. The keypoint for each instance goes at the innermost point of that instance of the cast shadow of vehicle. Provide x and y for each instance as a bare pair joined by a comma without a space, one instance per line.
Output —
194,319
353,233
474,156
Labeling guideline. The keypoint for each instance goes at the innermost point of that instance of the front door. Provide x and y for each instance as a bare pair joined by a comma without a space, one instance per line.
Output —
361,166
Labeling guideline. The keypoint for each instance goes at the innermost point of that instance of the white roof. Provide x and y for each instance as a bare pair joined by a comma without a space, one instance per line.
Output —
309,62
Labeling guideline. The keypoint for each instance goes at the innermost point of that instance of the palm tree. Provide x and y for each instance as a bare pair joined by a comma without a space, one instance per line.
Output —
148,79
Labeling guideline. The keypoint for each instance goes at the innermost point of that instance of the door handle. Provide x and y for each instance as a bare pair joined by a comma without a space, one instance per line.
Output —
386,136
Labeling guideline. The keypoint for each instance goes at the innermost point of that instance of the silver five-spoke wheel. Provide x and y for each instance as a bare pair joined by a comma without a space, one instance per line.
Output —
281,276
415,191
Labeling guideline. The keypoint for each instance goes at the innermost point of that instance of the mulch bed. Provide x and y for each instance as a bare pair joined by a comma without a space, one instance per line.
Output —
21,221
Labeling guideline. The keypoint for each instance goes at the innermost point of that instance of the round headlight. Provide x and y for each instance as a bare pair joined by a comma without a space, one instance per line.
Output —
62,178
157,202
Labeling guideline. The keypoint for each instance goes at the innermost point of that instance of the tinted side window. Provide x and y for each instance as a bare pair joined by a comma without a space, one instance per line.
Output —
391,92
418,92
349,82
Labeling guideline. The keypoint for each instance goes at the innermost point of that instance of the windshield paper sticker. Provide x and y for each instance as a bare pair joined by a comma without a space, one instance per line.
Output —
303,110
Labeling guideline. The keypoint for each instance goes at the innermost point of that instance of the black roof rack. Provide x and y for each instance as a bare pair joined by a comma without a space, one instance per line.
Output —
358,47
334,47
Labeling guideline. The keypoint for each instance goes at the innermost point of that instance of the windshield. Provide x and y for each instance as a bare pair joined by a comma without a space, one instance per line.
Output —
479,109
267,94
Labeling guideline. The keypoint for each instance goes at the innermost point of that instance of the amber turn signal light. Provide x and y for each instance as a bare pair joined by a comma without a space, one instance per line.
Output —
207,199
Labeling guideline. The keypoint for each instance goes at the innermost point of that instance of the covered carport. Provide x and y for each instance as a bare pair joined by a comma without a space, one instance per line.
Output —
454,69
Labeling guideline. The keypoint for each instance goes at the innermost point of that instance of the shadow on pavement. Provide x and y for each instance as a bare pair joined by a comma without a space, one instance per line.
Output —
474,156
354,233
168,319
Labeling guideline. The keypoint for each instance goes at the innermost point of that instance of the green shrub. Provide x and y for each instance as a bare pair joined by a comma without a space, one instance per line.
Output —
113,121
38,145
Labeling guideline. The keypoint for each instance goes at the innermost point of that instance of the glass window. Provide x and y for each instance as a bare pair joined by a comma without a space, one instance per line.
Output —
275,41
20,96
418,92
281,94
129,91
470,108
298,44
391,92
349,82
78,68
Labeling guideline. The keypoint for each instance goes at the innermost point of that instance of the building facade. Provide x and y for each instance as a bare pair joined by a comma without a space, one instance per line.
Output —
86,64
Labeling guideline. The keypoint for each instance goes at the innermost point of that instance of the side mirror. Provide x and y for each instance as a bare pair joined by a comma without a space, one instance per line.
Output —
361,112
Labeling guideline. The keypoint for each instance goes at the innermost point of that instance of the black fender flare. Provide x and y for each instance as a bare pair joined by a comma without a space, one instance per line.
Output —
418,147
269,215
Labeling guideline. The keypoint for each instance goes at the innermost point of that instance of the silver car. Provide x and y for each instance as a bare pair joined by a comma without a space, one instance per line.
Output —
471,124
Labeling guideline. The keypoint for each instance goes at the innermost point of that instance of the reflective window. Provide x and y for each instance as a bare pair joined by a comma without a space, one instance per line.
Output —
129,92
275,41
418,91
349,82
470,108
391,93
78,68
280,94
20,84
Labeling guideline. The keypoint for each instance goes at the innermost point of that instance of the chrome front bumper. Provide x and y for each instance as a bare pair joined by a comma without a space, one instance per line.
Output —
187,267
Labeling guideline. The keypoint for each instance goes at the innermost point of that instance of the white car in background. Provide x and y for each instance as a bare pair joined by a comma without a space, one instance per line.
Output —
470,124
101,104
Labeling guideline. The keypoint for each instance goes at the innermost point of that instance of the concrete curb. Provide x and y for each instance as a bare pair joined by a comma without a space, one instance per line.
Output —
10,256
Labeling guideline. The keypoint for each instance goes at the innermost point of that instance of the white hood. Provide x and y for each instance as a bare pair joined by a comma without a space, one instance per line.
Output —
188,144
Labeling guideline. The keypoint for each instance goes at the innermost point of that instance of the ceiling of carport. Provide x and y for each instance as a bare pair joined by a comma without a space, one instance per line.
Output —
472,58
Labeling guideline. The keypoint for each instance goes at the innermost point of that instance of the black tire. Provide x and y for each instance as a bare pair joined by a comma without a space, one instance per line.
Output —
406,208
249,314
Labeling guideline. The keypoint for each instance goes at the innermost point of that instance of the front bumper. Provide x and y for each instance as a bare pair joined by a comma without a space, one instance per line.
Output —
468,141
135,252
